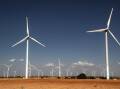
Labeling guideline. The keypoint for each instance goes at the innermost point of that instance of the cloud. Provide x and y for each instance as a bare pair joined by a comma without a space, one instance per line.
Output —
49,65
12,60
21,60
83,63
119,63
33,66
61,65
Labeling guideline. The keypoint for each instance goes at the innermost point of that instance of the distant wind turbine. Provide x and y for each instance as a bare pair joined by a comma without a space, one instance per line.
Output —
39,72
8,69
106,31
59,67
15,73
51,66
34,67
68,70
27,47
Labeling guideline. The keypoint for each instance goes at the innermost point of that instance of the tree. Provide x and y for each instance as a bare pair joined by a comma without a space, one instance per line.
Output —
82,76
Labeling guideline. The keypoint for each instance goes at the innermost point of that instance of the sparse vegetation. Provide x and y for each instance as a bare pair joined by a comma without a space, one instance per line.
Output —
82,76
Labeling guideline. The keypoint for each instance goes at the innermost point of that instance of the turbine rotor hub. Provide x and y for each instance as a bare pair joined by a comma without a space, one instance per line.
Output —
106,30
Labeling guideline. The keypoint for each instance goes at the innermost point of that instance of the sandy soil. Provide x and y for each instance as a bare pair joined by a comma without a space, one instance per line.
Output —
58,84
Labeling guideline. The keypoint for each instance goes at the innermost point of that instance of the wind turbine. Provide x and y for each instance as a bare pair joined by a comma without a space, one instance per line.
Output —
34,67
26,38
52,72
51,66
8,69
59,67
106,31
15,73
68,70
39,72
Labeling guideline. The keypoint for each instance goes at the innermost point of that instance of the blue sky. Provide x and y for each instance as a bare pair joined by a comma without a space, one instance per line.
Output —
61,25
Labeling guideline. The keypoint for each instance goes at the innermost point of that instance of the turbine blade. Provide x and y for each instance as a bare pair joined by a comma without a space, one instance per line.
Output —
109,20
20,41
37,41
99,30
27,25
114,37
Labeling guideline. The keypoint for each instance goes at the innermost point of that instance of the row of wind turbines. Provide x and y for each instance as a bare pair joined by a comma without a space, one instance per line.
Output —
53,70
106,30
31,67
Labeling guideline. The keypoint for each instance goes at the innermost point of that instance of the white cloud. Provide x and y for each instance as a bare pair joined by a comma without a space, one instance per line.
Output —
49,65
119,63
61,65
12,60
21,60
83,63
33,66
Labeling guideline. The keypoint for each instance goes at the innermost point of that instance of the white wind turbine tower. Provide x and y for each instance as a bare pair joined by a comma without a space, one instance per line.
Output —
29,69
39,71
59,67
52,72
15,73
8,69
68,70
106,31
27,46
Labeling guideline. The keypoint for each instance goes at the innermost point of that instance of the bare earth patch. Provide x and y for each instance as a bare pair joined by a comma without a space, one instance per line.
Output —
58,84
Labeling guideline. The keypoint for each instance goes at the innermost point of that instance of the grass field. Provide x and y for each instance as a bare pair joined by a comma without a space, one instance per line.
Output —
58,84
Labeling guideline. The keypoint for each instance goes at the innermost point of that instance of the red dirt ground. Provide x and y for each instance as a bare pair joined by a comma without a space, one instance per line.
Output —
58,84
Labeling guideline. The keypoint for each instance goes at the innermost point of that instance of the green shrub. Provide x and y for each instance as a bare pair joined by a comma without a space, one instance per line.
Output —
82,76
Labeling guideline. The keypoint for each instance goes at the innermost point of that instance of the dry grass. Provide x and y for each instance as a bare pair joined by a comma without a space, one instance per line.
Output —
58,84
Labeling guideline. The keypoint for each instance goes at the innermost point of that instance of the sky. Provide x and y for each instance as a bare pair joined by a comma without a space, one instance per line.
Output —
61,25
